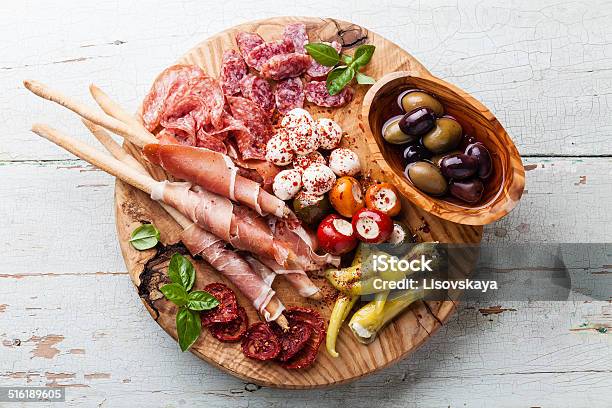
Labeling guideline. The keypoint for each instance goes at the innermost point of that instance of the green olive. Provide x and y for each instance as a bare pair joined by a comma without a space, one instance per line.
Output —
427,178
411,100
438,157
311,208
444,137
393,134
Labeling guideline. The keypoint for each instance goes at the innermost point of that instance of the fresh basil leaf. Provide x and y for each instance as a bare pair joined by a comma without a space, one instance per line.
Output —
181,271
144,237
338,78
347,59
188,327
363,79
175,293
363,55
322,53
201,300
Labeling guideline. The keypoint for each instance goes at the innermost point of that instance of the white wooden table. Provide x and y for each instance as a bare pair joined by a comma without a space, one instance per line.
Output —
70,316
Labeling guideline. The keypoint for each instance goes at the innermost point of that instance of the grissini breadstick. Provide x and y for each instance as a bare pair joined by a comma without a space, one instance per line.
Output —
134,135
300,281
228,262
236,225
212,170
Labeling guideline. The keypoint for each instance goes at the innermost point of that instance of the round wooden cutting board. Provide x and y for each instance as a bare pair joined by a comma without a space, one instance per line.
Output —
148,269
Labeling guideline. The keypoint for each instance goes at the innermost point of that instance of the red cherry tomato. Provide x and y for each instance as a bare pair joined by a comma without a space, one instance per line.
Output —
372,226
336,235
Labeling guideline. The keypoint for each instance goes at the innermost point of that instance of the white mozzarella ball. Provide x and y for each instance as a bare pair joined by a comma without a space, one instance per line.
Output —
344,162
287,184
318,179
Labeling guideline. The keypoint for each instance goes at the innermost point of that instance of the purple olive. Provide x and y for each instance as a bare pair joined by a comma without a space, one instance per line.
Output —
458,166
480,152
469,191
414,153
417,122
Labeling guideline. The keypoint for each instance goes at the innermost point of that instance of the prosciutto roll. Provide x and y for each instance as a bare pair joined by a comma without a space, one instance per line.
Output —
216,172
235,268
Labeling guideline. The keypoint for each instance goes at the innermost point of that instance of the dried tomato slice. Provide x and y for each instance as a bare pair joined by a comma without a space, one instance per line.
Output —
228,305
306,315
308,353
292,340
231,331
260,343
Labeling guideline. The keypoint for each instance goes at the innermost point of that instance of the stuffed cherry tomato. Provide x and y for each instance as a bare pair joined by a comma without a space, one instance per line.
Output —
372,226
336,235
383,197
346,196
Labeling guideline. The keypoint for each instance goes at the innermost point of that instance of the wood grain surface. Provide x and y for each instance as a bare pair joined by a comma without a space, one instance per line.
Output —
69,315
400,338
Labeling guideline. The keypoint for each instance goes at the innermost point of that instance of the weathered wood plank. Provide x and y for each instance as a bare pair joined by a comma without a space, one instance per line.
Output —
542,67
60,330
552,361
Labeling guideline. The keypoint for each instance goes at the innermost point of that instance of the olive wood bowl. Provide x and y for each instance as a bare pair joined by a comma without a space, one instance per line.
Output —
504,187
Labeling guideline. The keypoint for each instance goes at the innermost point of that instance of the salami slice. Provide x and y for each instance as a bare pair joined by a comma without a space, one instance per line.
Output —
259,91
289,94
260,343
316,93
226,311
293,340
247,41
233,69
252,141
317,71
285,66
211,143
307,355
296,32
231,331
168,86
263,52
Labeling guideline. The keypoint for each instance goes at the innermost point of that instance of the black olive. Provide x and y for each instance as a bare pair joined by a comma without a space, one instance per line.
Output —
458,166
481,153
415,153
469,191
417,122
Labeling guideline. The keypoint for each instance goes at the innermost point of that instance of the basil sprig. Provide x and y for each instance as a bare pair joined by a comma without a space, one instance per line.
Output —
188,323
342,75
144,237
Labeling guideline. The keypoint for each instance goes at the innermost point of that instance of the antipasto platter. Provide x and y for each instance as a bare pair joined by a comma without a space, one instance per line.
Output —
262,168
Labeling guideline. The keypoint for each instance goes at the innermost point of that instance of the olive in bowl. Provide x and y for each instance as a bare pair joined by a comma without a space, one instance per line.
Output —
393,134
415,98
502,189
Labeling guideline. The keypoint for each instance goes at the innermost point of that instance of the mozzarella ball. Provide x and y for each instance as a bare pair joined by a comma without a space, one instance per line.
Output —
301,163
344,162
318,179
287,184
295,117
302,139
328,132
278,150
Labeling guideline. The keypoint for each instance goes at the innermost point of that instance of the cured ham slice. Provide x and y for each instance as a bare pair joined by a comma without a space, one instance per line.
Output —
259,91
233,69
285,66
247,41
251,141
236,225
296,33
263,52
172,82
216,173
234,267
